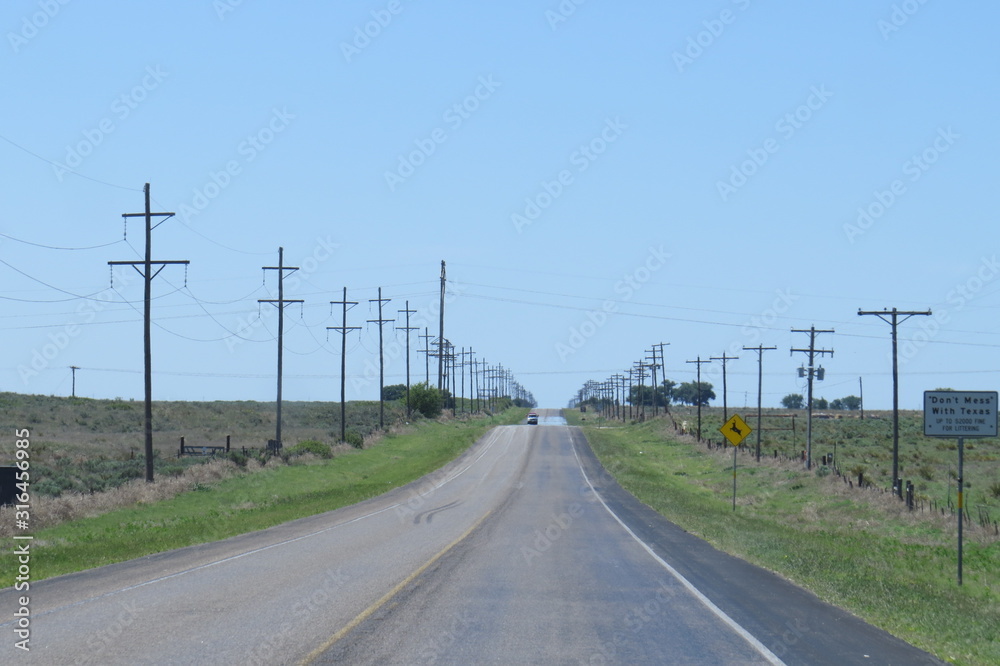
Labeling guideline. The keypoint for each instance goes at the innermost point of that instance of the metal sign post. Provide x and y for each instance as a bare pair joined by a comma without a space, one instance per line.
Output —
960,414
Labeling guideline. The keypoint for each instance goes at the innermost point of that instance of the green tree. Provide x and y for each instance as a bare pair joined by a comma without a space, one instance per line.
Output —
793,401
851,402
426,400
394,392
820,403
690,393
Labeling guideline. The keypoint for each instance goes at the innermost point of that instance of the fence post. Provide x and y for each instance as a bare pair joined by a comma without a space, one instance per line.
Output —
182,446
227,443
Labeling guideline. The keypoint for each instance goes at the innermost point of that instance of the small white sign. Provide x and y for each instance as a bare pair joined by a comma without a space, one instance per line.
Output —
960,414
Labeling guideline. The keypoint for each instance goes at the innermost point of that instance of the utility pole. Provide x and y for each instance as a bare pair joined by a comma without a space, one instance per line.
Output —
725,403
343,329
698,363
760,349
861,397
426,351
74,368
653,366
280,304
641,369
663,375
381,358
812,371
407,328
441,327
148,275
892,317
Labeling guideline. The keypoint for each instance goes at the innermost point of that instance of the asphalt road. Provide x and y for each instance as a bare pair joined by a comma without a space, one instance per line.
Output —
523,551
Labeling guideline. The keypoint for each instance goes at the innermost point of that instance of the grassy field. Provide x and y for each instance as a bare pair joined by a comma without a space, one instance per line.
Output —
860,550
225,501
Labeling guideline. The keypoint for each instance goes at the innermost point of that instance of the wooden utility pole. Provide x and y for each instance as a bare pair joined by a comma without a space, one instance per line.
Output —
426,351
698,361
381,357
343,329
441,330
725,401
147,276
892,317
280,303
760,349
812,352
74,368
407,328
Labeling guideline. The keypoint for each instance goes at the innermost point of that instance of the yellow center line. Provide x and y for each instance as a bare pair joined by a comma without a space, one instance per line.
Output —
366,613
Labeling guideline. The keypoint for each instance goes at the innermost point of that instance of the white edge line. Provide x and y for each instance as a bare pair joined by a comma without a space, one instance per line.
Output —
735,626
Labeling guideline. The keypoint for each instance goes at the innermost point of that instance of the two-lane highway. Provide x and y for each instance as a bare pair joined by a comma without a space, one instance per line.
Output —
521,551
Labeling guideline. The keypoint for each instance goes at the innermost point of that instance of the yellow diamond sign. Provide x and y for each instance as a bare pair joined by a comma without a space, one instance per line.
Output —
735,430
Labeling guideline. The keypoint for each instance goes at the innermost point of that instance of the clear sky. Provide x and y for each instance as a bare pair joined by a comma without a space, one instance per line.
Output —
599,177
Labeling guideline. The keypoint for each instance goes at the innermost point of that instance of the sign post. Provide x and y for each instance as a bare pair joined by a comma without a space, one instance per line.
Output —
960,414
735,430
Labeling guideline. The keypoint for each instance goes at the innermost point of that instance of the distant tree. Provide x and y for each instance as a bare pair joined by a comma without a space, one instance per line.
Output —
850,402
426,400
793,401
820,403
688,393
665,392
394,392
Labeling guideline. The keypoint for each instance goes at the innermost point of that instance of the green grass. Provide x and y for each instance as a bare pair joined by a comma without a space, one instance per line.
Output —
856,550
251,502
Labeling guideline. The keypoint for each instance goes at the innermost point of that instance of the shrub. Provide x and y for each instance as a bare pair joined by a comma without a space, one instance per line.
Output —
426,400
311,446
354,439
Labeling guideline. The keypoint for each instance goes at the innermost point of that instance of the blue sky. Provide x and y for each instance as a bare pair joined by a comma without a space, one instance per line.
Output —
599,177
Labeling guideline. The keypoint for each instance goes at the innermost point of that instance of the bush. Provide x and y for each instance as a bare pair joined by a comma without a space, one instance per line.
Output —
311,446
426,400
354,439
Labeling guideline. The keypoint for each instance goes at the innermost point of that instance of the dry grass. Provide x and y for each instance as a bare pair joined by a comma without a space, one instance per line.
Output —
49,511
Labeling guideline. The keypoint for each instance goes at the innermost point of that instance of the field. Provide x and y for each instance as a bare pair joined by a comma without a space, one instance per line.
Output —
862,550
84,445
856,446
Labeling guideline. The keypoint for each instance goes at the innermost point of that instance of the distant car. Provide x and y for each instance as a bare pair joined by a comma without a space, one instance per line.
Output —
532,419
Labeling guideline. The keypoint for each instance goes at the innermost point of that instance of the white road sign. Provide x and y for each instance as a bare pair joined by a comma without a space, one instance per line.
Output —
960,414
